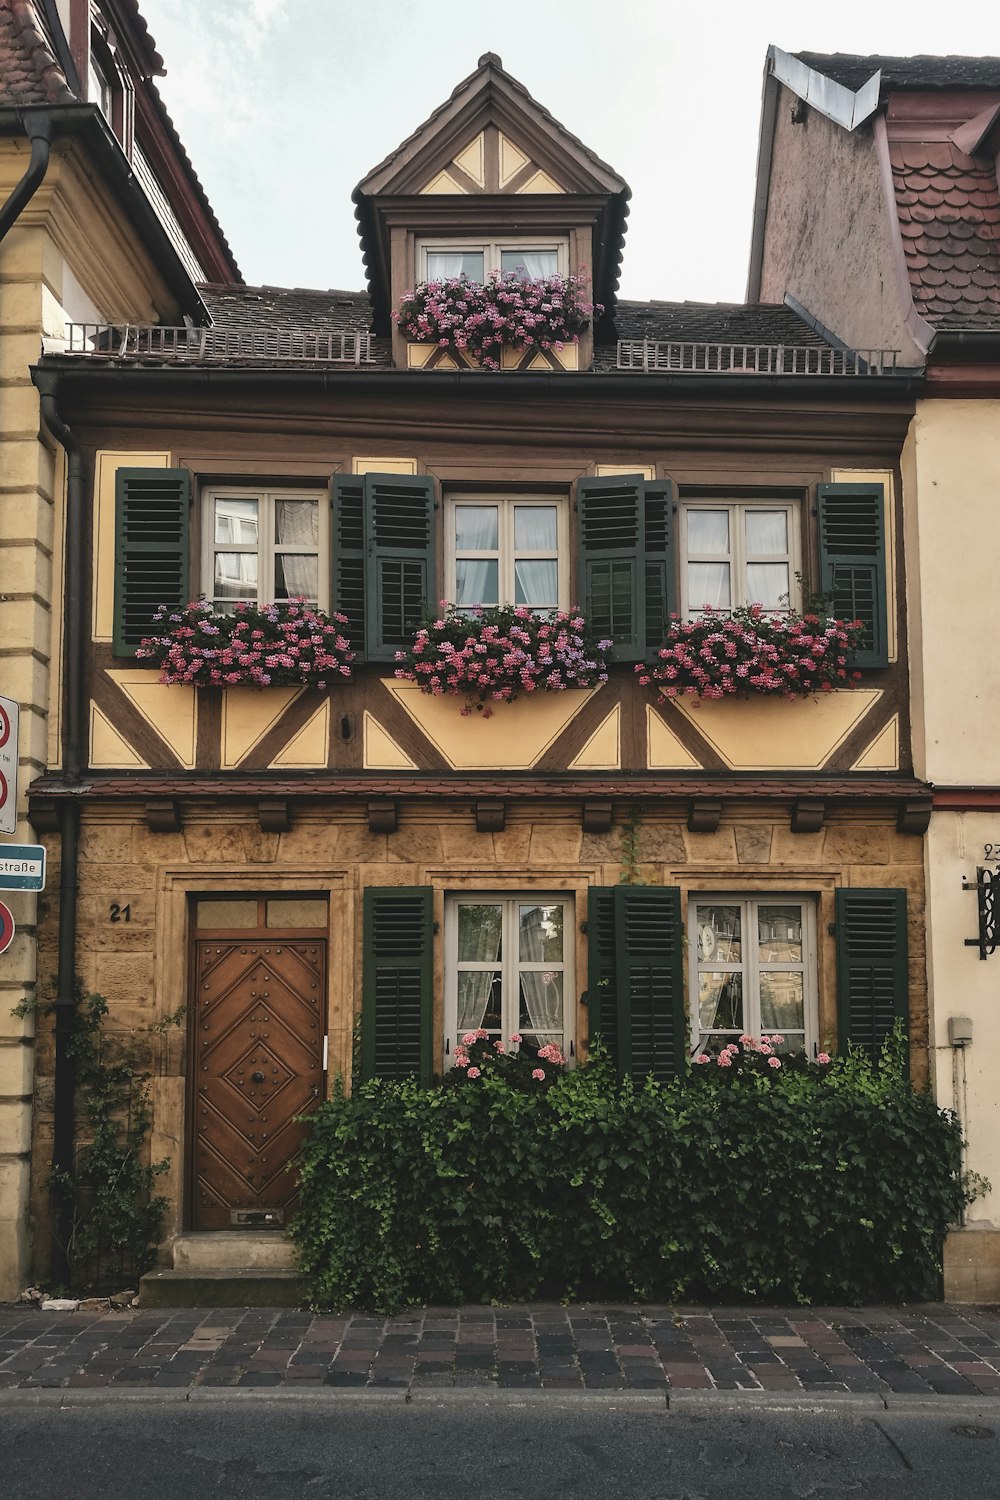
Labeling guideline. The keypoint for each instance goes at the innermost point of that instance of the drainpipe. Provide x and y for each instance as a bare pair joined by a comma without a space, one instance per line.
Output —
73,757
39,131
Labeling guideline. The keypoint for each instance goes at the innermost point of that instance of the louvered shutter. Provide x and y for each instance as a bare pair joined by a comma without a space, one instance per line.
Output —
626,560
152,520
348,562
636,942
399,576
398,1000
872,989
853,562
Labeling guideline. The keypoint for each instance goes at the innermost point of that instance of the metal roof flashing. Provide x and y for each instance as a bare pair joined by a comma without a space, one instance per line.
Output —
843,106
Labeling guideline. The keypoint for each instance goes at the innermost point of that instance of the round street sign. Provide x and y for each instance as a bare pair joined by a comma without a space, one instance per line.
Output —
6,928
4,726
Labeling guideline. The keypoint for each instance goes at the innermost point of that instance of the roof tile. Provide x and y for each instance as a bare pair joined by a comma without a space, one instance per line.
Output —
29,72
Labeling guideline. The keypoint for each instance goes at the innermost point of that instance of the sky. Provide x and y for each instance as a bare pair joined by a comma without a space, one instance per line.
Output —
285,105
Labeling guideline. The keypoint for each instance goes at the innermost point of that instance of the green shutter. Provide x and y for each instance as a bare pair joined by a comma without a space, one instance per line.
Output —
397,983
872,989
626,562
152,520
853,562
348,562
399,575
636,977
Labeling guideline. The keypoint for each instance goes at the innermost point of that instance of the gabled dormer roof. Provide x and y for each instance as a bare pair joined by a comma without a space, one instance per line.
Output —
489,143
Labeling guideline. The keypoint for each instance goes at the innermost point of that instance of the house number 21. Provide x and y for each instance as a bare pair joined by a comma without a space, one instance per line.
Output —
120,913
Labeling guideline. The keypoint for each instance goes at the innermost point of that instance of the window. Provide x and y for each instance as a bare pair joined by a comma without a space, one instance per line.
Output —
98,88
507,551
738,553
265,545
752,969
508,968
530,259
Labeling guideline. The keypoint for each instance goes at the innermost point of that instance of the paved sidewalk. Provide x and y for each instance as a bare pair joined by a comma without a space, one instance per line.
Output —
924,1351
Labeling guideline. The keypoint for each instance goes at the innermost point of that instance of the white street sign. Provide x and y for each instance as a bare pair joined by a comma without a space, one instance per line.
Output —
9,715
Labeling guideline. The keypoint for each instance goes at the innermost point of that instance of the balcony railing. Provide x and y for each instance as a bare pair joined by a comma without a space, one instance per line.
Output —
158,343
684,358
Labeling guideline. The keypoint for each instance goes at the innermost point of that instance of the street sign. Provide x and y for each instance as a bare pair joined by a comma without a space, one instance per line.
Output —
6,928
22,867
9,714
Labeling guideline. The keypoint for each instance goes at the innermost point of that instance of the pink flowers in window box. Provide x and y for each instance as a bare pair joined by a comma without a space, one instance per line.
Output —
753,651
478,1055
758,1054
507,313
258,645
492,655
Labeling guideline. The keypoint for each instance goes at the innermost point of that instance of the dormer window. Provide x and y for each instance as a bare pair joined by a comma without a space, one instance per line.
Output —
531,260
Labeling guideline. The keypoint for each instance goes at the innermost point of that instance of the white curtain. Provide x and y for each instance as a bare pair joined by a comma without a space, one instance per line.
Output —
296,523
541,990
708,584
480,930
533,265
536,582
442,265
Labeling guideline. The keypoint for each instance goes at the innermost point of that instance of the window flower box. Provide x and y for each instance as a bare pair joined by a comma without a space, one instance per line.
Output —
492,655
486,325
257,645
752,651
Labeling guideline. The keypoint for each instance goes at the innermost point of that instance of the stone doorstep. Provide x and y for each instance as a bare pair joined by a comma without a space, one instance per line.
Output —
234,1250
222,1288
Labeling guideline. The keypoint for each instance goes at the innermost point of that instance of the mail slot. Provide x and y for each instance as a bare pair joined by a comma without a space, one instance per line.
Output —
257,1218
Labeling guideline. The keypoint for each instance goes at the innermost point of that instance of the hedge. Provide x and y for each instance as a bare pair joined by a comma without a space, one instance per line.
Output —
817,1185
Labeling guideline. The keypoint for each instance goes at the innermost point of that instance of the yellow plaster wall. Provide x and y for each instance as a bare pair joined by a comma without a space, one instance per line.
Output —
773,734
513,738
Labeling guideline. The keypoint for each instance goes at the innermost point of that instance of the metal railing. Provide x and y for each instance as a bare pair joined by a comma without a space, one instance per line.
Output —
681,357
156,342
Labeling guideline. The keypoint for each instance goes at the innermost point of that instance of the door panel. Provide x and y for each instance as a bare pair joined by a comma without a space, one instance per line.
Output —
257,1065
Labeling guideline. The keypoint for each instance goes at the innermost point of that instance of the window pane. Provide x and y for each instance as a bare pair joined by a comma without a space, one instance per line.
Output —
782,1003
719,935
443,264
236,521
541,934
296,523
540,1011
708,584
720,1001
236,575
535,528
536,581
296,577
479,1000
767,532
227,914
779,934
476,528
708,533
298,912
476,581
479,933
767,584
530,265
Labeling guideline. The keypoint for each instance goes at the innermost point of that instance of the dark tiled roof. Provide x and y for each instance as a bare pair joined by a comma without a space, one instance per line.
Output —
852,70
949,217
865,789
29,72
295,307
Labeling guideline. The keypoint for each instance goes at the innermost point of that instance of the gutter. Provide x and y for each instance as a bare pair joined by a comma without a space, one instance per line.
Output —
38,128
74,728
970,343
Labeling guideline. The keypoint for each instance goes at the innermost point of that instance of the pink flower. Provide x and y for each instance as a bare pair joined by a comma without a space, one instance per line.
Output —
515,1036
469,1038
702,1057
474,1073
538,1073
823,1057
774,1062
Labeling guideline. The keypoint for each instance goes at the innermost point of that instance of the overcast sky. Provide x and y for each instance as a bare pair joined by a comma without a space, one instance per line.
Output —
284,105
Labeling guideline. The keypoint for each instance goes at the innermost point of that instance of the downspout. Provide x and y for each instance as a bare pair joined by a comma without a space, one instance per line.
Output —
63,1143
38,129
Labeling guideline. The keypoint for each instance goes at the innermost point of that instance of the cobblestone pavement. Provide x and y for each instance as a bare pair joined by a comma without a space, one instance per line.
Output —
924,1351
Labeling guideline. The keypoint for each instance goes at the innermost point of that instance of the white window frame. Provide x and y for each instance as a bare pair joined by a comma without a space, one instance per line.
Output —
504,552
510,964
491,250
691,609
266,548
750,967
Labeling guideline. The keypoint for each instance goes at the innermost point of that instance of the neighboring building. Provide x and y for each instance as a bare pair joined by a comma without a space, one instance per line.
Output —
102,220
878,208
368,866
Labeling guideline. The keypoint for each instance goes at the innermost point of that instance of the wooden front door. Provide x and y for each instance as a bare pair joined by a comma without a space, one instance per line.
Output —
257,1062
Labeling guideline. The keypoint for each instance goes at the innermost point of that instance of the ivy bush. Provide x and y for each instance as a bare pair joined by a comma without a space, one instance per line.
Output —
833,1184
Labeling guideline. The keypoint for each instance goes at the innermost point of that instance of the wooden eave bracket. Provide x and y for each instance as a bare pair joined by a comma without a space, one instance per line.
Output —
383,815
163,815
598,815
914,815
808,814
43,814
491,815
274,814
704,814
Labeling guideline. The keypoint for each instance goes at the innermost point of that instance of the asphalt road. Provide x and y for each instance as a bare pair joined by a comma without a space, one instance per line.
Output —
363,1449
